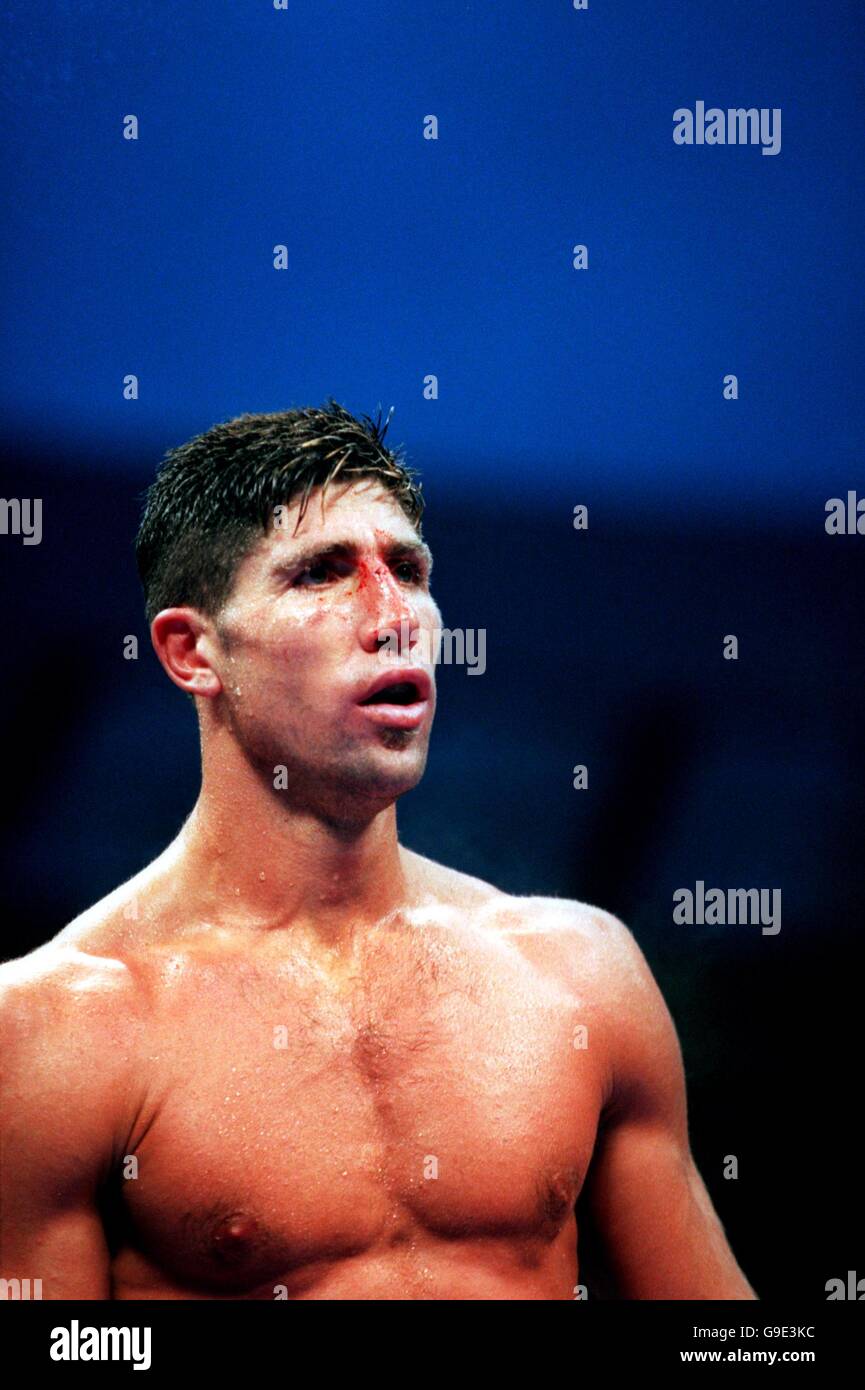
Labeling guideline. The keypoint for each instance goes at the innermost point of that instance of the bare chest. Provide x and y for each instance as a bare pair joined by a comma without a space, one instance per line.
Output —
438,1097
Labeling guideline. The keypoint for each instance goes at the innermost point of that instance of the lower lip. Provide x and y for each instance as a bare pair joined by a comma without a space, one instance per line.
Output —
397,716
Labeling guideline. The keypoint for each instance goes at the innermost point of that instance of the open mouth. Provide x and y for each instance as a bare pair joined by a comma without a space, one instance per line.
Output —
399,693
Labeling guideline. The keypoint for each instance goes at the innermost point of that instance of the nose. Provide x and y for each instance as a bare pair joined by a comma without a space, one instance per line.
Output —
390,613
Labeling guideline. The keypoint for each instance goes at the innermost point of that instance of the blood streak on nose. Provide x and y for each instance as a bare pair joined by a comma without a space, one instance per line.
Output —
367,572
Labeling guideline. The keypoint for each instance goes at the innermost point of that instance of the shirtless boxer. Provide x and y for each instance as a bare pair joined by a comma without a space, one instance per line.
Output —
291,1058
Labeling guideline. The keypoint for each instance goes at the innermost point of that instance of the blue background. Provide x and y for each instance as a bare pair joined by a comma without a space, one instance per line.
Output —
410,256
557,387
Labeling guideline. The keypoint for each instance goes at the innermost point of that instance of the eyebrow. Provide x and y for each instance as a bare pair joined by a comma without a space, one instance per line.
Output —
350,550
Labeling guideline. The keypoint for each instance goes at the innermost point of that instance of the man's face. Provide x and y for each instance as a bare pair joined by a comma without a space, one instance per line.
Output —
301,645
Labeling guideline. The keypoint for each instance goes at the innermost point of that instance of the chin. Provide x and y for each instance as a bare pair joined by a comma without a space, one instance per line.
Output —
396,769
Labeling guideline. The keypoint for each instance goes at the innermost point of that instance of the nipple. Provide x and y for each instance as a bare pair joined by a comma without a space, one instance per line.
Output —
234,1236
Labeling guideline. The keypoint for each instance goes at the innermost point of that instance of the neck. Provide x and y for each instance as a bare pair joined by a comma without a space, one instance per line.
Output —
253,855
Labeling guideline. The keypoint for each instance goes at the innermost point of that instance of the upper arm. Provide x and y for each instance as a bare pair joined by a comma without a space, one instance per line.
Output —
648,1215
61,1108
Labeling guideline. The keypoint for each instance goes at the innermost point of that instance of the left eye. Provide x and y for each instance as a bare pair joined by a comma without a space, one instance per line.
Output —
414,573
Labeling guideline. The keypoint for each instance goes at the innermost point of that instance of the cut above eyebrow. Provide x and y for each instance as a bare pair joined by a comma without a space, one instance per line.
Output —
350,550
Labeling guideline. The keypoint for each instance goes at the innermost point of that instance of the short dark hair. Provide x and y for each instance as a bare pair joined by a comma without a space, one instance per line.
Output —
215,494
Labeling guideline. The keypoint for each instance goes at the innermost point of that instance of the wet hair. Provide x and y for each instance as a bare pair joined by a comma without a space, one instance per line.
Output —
214,496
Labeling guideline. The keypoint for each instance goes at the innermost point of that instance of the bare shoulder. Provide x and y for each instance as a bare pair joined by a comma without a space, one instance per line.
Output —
432,882
72,1029
71,1002
563,935
562,932
580,936
556,920
96,965
87,959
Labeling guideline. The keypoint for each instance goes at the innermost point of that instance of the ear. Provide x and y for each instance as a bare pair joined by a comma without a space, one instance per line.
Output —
181,640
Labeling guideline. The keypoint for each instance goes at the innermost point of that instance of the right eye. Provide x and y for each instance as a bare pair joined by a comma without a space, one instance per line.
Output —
315,574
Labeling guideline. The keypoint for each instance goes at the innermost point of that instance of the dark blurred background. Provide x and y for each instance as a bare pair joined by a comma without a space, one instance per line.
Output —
604,387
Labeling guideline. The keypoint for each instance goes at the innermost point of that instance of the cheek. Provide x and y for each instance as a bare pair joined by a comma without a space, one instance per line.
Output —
292,652
432,617
274,636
